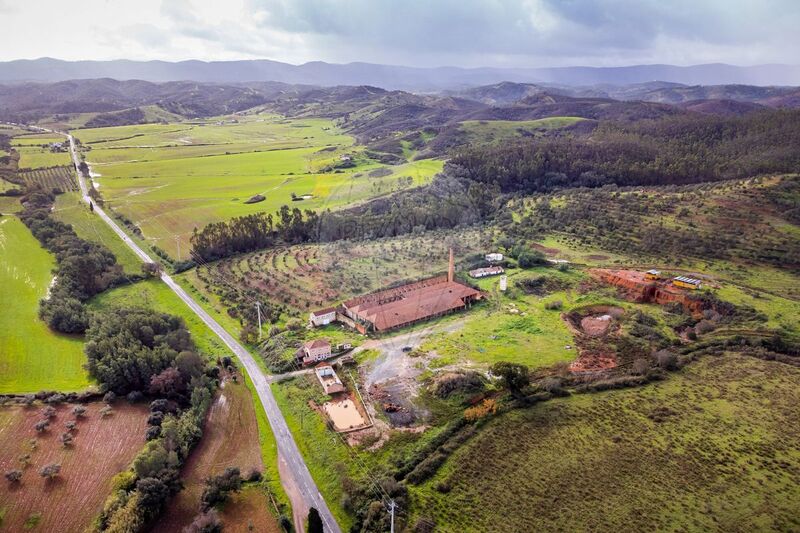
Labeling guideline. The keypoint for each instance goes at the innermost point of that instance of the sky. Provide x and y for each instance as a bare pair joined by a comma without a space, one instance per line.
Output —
467,33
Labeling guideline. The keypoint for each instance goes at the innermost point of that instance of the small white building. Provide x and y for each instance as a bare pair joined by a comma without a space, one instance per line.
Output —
323,317
494,257
327,377
503,283
488,271
315,351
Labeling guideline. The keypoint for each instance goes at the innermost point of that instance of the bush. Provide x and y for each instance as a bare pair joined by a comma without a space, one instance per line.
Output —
640,367
219,487
554,305
666,360
14,476
207,522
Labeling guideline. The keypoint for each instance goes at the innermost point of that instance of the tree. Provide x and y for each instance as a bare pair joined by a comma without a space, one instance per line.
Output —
42,426
66,439
513,376
151,270
168,383
13,476
79,411
314,522
50,471
531,258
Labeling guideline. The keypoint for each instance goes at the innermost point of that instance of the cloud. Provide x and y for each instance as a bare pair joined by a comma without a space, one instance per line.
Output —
422,30
412,32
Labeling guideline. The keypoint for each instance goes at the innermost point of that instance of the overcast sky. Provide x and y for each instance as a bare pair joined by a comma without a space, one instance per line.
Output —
408,32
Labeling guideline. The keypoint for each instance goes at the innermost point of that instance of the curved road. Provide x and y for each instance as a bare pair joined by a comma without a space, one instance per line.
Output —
295,476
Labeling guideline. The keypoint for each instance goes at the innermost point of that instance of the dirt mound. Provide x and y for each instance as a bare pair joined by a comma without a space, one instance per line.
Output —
596,325
592,325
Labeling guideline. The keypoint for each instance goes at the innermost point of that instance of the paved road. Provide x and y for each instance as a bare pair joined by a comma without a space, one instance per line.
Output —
300,486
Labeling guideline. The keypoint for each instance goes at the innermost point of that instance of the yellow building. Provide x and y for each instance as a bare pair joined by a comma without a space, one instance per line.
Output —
686,283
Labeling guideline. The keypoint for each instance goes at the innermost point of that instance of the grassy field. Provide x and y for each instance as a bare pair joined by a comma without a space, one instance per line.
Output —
722,458
32,357
102,447
512,327
71,210
171,178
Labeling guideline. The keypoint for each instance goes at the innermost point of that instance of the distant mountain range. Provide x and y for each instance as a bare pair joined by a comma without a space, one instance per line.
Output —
389,76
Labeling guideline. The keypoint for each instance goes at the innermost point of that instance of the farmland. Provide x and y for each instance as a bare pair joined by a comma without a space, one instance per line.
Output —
71,210
723,459
34,152
170,178
61,178
32,357
102,447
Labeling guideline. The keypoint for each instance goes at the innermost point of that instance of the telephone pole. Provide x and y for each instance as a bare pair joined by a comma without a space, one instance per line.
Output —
258,309
391,510
178,242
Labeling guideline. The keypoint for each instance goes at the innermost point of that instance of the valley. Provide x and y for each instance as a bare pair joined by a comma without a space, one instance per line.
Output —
401,310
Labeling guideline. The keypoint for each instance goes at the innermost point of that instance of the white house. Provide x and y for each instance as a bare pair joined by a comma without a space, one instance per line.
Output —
494,257
323,317
315,351
488,271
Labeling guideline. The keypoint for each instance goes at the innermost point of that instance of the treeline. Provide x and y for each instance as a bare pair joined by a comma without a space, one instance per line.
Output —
446,203
117,118
679,149
84,268
141,352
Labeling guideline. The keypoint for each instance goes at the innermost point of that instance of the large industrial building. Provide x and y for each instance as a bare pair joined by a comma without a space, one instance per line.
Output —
410,303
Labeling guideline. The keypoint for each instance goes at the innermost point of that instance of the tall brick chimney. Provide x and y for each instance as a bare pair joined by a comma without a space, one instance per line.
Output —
451,269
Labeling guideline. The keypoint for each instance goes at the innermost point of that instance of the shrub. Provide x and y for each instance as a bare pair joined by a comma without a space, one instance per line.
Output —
554,305
49,412
207,522
666,360
109,397
484,409
14,476
106,411
79,411
42,426
640,367
219,487
66,439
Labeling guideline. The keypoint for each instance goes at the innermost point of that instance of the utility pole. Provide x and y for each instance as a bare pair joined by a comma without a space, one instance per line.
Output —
258,309
178,242
391,510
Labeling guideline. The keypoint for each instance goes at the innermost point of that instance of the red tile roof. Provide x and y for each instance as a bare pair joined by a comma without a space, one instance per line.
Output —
317,343
409,303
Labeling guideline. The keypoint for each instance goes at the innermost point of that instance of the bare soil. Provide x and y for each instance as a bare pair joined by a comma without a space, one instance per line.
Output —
230,439
102,447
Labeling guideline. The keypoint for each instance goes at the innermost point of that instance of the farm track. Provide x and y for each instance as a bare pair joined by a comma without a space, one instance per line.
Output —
298,482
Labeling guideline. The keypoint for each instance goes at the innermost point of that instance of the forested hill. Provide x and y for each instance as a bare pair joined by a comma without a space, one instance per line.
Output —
680,149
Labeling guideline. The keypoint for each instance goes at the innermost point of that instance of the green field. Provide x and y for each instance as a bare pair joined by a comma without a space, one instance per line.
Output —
71,210
720,456
32,357
172,178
